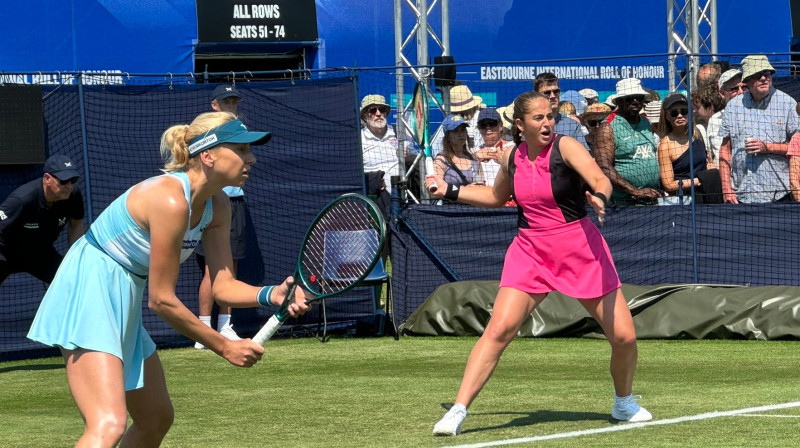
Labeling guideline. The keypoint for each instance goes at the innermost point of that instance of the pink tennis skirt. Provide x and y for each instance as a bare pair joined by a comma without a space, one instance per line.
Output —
571,258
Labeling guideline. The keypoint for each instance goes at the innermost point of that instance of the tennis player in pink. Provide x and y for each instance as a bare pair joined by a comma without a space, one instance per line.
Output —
552,178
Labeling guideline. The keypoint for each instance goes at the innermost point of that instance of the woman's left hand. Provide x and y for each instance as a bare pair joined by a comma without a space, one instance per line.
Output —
598,206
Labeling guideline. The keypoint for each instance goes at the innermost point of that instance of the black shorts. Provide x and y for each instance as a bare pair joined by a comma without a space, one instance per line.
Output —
43,266
239,214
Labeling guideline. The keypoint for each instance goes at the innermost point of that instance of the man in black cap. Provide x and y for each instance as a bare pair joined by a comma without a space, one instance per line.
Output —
32,217
225,99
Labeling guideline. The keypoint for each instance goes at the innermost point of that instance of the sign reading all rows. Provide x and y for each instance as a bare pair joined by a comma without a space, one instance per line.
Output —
257,21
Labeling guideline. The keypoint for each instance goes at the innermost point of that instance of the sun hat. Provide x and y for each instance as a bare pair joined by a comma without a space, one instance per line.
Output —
507,115
576,99
61,167
225,91
652,111
373,100
628,87
452,122
755,63
596,108
462,99
674,98
727,76
610,101
233,131
588,93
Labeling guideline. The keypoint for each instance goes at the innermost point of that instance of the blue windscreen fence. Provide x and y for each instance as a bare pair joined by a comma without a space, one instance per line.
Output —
112,132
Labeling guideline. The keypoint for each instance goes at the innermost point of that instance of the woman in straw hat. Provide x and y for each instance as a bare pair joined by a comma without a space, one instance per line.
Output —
93,308
466,105
593,117
557,248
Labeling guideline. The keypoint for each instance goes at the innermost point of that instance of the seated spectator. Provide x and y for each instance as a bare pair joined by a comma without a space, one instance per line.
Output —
705,103
494,146
756,128
594,116
456,164
466,105
626,150
680,167
730,86
378,139
794,162
591,96
547,84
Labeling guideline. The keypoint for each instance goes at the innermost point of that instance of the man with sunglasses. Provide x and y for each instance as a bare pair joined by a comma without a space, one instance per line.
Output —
378,139
625,149
730,85
756,128
32,217
547,84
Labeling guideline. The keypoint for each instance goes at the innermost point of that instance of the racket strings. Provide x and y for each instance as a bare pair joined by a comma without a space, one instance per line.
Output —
341,246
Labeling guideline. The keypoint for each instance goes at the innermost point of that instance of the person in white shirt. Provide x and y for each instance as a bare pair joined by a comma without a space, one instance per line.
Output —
466,105
378,139
730,86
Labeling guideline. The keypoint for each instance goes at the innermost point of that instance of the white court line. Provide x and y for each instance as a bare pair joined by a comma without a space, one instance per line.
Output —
627,426
770,415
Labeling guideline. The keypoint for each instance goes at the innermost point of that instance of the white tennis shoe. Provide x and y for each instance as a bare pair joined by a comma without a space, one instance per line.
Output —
627,410
450,424
227,331
199,346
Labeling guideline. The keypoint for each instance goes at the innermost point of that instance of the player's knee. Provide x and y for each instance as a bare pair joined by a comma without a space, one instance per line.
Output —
110,426
623,340
499,333
159,420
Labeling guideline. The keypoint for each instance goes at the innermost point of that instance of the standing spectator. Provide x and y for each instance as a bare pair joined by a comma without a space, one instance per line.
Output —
93,309
626,150
680,167
730,86
494,146
756,129
378,139
591,96
557,248
593,117
32,217
705,103
225,98
466,105
547,84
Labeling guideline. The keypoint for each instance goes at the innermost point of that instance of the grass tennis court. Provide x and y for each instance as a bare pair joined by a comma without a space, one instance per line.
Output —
353,392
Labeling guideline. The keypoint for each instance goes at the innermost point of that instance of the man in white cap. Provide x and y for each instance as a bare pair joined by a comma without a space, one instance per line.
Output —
626,149
32,217
730,85
547,84
756,128
590,95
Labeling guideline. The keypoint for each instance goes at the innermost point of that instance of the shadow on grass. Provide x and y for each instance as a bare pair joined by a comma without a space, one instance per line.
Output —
32,367
520,419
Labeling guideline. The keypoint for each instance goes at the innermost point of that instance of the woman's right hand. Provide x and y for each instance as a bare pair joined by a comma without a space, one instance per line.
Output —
441,186
244,353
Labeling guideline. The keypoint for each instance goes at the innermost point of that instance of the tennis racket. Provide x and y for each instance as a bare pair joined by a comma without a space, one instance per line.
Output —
420,102
341,247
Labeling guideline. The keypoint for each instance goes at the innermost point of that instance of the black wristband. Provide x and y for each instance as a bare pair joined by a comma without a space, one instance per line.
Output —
452,192
602,198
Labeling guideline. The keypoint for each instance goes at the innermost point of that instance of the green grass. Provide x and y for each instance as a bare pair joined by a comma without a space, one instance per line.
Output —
354,392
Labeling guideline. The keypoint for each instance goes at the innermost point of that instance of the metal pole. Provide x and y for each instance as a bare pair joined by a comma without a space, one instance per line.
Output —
399,100
85,147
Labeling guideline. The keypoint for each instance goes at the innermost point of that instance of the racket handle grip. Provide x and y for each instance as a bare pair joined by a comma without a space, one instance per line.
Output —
268,330
429,171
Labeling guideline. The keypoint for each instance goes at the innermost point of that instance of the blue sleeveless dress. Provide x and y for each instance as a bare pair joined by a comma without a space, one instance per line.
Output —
95,299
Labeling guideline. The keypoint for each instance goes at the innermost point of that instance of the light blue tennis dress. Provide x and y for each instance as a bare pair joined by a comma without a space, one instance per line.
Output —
95,300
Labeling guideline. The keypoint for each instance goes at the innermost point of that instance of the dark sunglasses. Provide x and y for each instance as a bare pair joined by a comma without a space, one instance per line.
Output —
759,75
738,88
682,111
553,92
72,180
632,98
594,123
486,124
374,110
